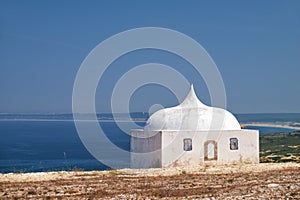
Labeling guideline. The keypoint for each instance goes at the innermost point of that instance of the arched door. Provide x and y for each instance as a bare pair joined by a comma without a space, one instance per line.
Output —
210,150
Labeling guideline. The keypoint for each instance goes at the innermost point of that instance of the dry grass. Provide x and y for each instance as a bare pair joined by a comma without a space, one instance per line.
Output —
184,184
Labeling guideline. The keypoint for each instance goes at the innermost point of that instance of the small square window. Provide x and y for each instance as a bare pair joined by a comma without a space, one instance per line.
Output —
187,144
234,144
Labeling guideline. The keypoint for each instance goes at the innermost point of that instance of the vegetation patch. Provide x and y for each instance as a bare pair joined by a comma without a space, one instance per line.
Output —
280,147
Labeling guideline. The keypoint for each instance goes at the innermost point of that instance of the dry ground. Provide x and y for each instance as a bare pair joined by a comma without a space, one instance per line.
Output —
262,181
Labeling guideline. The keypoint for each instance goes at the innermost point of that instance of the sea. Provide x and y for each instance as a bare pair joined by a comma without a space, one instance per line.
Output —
50,142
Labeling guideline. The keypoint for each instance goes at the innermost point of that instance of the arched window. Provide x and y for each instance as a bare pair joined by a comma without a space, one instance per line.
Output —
187,144
234,144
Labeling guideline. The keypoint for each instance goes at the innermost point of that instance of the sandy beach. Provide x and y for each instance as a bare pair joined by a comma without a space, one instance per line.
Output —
275,125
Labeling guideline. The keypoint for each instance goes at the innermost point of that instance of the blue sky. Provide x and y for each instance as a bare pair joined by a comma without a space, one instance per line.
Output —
255,44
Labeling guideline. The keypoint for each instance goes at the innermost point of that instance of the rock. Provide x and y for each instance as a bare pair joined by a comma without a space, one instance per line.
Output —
272,185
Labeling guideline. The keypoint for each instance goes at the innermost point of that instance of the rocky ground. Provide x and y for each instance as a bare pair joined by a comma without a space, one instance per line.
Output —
262,181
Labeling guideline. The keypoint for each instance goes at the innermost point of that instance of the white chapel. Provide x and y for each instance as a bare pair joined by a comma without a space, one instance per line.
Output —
192,134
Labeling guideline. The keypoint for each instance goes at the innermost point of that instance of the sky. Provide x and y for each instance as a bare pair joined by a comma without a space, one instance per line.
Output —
255,45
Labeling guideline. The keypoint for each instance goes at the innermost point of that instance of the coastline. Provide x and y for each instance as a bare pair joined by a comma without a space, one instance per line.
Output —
275,125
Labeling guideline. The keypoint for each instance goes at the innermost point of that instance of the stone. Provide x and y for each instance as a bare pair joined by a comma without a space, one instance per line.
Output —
272,185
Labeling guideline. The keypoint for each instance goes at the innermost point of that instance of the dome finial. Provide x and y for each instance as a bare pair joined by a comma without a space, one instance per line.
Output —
191,86
191,99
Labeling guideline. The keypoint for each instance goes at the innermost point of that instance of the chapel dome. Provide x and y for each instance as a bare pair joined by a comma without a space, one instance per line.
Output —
192,115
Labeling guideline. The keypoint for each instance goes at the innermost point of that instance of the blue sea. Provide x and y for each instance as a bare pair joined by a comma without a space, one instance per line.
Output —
49,142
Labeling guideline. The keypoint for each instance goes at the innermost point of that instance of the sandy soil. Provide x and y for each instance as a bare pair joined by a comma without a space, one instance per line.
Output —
267,180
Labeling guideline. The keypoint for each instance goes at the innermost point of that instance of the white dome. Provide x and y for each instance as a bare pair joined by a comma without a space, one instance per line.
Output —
192,115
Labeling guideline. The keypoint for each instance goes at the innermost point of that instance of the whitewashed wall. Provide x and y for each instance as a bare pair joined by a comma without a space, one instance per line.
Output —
173,154
145,149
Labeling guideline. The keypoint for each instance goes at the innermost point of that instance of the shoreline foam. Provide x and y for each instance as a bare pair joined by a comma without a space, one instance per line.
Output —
271,125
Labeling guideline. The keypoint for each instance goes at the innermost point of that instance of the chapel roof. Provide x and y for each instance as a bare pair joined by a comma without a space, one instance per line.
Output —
192,115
